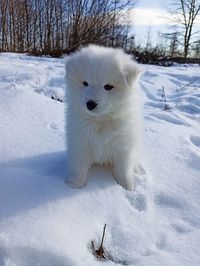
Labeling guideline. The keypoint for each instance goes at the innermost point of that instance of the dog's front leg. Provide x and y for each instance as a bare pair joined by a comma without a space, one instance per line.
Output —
123,169
78,165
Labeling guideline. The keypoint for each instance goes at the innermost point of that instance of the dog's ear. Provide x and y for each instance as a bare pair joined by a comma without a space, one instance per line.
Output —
131,72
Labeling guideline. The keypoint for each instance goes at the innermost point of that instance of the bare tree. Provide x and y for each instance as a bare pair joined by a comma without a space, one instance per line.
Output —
184,13
172,41
196,49
56,26
148,38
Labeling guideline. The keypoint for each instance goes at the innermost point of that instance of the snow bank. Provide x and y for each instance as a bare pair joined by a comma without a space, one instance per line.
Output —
45,223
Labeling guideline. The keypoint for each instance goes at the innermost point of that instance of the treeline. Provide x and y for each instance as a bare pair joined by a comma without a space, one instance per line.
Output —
57,27
60,26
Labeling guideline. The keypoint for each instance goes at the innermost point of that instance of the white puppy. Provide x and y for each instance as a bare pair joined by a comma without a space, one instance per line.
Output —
104,121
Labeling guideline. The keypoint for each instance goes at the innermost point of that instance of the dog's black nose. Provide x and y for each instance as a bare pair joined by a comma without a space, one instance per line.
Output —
91,105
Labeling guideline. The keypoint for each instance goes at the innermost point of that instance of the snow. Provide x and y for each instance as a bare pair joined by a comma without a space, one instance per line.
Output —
45,223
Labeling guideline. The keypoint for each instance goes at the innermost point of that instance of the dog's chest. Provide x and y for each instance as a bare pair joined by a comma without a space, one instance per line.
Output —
102,144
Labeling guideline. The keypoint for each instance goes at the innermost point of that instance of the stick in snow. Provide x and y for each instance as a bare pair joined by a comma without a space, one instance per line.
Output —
99,253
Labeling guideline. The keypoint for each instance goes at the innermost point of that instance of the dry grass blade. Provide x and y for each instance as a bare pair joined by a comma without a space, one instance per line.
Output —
100,253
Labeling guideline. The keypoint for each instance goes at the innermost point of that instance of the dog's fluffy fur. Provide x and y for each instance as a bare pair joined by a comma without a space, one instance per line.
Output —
111,132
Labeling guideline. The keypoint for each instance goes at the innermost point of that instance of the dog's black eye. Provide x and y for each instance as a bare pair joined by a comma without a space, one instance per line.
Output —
85,83
108,87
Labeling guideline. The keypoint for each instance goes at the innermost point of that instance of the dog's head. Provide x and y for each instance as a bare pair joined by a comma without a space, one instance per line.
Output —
100,79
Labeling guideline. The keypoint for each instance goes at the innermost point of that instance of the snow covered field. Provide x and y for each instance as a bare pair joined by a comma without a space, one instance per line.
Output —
45,223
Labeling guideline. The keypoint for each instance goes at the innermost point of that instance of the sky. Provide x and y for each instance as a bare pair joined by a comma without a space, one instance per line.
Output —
149,4
149,15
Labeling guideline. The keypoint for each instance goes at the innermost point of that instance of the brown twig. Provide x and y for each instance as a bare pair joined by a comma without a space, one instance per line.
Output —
100,253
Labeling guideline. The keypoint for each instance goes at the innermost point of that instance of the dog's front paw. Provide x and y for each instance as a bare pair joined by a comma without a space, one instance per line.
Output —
128,185
139,169
123,171
125,181
75,182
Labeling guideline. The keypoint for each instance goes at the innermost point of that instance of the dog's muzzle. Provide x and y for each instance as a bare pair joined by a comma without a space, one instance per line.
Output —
91,105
